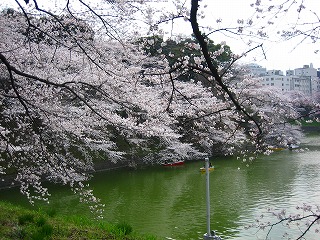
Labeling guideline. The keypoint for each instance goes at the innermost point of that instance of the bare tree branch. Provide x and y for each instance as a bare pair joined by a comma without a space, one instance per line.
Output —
290,219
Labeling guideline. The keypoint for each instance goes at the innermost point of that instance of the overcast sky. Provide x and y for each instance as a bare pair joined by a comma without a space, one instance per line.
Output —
279,54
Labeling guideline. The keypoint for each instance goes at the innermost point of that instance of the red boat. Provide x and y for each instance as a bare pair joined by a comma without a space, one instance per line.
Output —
170,164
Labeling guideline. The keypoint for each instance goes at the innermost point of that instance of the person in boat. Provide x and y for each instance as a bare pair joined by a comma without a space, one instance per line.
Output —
210,165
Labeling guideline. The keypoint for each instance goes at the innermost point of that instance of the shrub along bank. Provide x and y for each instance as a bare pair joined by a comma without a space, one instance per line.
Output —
20,223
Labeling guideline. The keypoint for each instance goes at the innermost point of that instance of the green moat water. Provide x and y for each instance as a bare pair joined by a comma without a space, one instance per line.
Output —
171,203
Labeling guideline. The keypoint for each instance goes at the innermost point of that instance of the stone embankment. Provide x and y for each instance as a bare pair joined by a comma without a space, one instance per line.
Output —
309,129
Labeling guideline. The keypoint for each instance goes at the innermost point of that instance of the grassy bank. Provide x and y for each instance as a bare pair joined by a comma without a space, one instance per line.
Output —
20,223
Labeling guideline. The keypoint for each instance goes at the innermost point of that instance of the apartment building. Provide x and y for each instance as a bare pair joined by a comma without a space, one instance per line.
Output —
310,82
276,79
303,79
256,70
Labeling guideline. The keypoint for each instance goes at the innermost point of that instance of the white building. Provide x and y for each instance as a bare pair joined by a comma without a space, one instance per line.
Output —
303,79
276,79
306,70
309,81
256,70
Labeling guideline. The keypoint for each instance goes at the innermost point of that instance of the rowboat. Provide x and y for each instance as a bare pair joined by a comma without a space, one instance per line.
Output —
292,146
276,148
174,163
203,169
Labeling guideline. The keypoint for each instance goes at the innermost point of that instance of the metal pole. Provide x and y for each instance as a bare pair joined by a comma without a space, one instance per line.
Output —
209,235
207,195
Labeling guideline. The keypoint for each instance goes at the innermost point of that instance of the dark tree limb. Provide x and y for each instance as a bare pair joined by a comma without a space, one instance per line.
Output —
213,69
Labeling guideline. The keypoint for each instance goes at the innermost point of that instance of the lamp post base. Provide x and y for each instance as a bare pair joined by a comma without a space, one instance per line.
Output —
211,236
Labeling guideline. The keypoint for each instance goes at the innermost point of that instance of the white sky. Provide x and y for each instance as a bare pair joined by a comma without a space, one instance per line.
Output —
280,54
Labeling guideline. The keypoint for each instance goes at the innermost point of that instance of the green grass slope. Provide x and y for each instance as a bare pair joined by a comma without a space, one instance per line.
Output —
20,223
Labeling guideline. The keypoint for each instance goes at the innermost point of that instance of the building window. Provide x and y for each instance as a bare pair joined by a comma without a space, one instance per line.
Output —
272,84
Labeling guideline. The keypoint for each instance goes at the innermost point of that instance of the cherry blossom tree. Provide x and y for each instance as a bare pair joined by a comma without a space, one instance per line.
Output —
66,96
61,108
